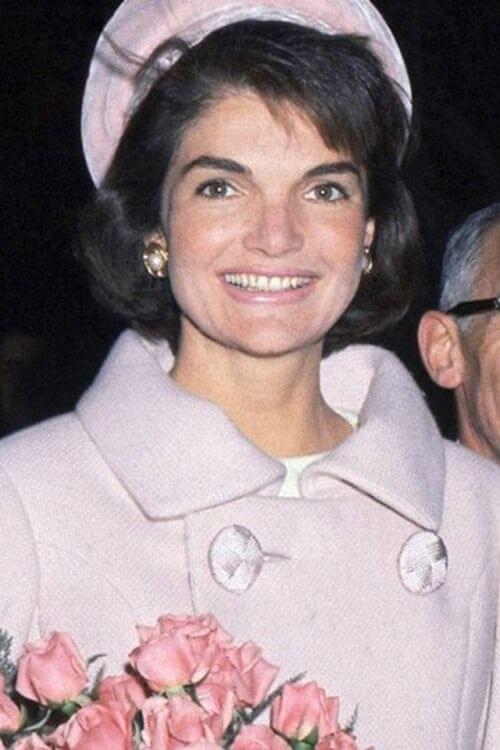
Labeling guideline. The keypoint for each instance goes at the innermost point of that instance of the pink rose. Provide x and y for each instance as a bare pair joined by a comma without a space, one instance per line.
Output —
219,704
301,708
257,737
177,650
51,670
10,715
94,727
338,741
124,692
32,742
174,724
242,670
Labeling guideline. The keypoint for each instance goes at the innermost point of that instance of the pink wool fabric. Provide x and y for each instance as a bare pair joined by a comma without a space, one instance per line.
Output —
108,514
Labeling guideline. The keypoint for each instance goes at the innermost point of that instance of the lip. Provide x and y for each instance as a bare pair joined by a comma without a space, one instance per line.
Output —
259,297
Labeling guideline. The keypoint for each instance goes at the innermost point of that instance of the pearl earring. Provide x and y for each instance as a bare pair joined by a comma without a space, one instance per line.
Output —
155,259
367,264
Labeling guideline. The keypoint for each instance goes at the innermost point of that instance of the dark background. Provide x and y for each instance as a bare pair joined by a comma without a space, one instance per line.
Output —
52,336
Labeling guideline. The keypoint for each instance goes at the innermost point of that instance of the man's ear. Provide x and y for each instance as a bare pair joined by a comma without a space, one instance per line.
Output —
440,347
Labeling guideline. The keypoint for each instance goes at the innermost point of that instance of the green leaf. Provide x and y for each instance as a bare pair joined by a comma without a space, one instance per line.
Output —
95,658
233,728
313,737
300,745
70,707
7,666
94,690
351,724
39,724
137,735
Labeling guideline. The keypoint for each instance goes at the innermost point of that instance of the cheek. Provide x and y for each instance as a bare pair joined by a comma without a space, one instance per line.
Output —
341,241
193,255
196,241
344,259
488,382
493,385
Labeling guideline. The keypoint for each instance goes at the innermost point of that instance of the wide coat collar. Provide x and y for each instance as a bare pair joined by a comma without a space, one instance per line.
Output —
176,453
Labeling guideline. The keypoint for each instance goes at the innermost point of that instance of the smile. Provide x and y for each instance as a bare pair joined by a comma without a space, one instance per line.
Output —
259,283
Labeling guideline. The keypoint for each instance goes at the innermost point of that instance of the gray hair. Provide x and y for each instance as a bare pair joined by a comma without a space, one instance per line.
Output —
462,258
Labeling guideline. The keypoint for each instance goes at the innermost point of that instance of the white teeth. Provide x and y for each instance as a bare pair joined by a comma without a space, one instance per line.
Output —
266,283
262,283
274,284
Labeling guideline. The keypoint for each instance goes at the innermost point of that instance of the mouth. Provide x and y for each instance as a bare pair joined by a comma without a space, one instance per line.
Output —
260,283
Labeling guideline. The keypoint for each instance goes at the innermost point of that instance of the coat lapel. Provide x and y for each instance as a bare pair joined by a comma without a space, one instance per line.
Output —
173,452
396,455
176,453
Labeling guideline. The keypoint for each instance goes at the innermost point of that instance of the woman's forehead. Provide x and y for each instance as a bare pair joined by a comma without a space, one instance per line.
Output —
241,119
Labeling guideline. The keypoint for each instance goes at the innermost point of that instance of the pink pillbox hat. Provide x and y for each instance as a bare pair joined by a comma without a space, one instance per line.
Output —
139,26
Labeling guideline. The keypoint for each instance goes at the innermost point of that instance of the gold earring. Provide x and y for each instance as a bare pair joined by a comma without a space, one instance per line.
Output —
367,265
155,259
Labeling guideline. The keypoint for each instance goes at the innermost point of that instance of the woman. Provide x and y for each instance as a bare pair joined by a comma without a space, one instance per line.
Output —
253,216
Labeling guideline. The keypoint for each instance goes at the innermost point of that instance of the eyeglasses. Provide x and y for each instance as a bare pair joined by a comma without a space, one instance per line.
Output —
474,307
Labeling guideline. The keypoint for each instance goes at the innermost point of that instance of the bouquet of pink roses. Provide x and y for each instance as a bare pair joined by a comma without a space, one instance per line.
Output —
187,687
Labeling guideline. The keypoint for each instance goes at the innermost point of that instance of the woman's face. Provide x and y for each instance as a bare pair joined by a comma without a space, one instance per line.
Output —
265,226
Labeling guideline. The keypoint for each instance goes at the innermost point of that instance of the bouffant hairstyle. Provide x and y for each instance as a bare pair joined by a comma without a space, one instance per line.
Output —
337,81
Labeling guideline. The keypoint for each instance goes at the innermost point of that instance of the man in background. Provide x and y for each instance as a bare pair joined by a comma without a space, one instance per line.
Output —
460,342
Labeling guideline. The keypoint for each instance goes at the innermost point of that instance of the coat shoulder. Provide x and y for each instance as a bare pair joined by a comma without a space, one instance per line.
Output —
38,451
46,463
39,470
19,565
472,474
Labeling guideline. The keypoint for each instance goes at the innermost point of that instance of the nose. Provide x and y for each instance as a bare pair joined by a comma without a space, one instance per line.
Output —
274,230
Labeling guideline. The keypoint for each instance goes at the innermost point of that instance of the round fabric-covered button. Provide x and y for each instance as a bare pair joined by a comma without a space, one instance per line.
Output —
423,563
236,558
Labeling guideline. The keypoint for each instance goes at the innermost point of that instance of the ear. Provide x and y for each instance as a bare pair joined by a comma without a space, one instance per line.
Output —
439,341
157,237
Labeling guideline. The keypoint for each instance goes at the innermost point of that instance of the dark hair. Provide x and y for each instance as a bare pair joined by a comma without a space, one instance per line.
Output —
337,81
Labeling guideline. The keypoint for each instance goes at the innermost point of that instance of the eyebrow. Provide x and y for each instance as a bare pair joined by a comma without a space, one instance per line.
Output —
334,167
214,162
229,165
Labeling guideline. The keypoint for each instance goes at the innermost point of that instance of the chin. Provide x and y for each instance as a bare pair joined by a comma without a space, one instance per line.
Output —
266,346
263,340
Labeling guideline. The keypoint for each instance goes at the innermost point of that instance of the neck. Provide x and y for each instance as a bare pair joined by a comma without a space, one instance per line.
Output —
275,401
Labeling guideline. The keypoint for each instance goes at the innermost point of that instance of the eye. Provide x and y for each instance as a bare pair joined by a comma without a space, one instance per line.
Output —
329,192
216,189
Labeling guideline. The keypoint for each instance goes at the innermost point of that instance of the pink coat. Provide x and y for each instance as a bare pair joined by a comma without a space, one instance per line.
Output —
147,500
